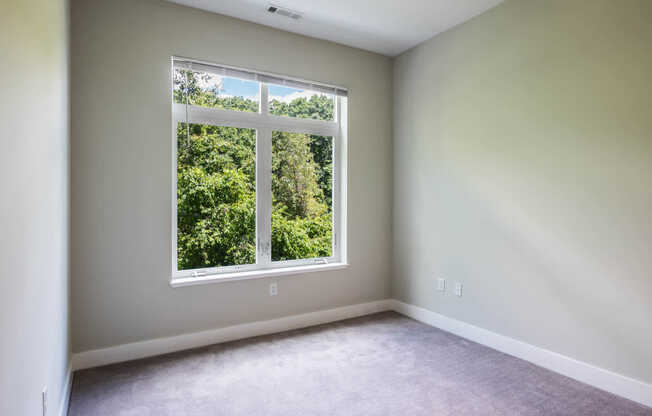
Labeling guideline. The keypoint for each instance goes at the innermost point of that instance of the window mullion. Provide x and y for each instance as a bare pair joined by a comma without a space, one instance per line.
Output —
264,197
264,99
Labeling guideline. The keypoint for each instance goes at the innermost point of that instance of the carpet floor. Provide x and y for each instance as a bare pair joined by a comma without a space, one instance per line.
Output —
382,364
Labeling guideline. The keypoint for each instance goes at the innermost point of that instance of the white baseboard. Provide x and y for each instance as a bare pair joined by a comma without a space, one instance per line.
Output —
65,394
158,346
618,384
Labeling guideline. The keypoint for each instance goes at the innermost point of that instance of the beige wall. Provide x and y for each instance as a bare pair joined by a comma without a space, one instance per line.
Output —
523,168
34,346
121,178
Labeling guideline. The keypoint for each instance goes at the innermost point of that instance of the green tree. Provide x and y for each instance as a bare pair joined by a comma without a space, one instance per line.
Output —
318,107
216,200
294,176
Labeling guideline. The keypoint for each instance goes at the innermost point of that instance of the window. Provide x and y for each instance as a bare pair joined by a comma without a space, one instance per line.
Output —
258,178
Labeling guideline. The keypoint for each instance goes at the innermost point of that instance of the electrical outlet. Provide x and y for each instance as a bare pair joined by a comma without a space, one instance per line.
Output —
273,289
458,289
441,284
44,400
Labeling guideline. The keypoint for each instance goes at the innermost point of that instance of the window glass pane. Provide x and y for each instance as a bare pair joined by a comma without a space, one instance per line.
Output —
210,90
292,102
216,196
302,176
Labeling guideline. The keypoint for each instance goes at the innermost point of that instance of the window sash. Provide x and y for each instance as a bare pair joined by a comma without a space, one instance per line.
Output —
264,124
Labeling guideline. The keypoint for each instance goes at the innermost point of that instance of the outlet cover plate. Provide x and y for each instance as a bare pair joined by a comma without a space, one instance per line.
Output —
458,289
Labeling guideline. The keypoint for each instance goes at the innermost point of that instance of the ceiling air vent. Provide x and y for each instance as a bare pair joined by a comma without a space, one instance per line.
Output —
283,12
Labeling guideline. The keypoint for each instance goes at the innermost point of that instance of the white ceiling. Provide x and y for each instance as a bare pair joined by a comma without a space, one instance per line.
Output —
388,27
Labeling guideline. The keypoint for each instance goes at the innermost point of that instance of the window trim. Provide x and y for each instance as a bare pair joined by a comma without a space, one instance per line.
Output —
264,124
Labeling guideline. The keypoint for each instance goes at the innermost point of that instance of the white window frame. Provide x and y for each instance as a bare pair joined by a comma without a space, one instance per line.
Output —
264,124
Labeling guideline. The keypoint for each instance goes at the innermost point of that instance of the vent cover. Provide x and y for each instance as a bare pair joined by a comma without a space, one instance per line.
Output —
284,12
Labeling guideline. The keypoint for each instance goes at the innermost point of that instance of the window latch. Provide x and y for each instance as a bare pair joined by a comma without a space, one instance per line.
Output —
197,274
322,261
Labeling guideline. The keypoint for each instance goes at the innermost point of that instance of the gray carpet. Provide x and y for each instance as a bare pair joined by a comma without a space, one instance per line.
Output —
383,364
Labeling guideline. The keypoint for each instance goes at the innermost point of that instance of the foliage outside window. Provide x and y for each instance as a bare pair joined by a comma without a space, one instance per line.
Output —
254,182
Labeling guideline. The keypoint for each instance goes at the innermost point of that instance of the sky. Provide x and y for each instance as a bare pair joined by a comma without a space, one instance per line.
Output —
233,87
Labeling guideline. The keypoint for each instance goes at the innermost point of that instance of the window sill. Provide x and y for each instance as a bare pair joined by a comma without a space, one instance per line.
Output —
255,274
